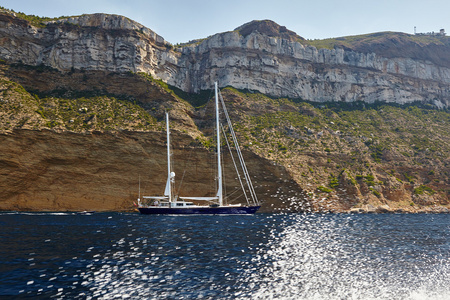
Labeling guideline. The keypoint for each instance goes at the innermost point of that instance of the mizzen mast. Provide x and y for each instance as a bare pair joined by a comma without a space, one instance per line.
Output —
170,174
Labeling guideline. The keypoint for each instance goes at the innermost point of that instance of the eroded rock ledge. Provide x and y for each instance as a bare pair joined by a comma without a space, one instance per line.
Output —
55,171
275,63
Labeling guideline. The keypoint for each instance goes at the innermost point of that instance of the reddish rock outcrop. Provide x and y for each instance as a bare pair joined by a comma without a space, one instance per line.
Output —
47,170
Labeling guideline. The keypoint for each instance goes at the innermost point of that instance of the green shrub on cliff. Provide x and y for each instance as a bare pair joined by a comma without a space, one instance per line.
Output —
334,182
34,20
324,189
195,99
21,108
424,189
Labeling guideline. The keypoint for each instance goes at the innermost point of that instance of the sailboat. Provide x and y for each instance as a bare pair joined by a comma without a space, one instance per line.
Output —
170,204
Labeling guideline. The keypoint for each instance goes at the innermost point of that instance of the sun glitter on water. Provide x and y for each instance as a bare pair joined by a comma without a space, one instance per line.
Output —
335,257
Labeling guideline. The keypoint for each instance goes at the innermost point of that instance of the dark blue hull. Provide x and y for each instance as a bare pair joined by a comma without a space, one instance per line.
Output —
227,210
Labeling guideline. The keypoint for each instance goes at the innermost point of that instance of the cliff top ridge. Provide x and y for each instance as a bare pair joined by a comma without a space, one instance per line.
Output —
269,28
386,44
393,44
99,20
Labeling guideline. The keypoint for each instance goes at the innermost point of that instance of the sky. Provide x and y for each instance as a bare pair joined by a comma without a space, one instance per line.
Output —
179,21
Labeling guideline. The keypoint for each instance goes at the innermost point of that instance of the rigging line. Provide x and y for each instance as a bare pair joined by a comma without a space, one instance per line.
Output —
184,172
222,162
213,171
224,180
235,198
232,193
246,174
238,150
224,186
235,166
241,158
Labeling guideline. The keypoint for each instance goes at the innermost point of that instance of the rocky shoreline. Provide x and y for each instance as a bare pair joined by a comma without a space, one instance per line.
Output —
386,209
368,209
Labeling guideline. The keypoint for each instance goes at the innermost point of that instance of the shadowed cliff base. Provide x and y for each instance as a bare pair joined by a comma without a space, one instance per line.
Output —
97,171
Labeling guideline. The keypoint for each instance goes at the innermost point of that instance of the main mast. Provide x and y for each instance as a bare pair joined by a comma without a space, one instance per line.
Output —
168,190
219,165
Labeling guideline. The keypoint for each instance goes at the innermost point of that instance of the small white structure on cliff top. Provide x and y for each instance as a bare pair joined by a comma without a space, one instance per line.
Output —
440,33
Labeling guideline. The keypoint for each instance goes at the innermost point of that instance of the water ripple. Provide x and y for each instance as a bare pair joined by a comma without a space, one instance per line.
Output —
295,256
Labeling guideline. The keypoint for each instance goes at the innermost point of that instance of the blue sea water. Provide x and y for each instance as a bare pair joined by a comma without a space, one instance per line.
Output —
265,256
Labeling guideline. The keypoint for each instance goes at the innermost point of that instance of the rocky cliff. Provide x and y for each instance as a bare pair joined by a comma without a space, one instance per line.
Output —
281,67
82,101
78,140
88,42
260,56
47,170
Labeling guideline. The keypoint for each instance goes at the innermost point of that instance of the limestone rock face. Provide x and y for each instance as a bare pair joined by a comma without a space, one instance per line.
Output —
277,65
98,171
89,42
280,67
